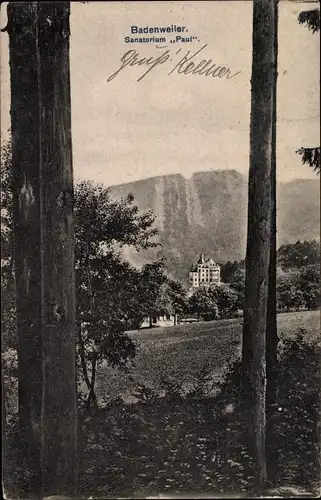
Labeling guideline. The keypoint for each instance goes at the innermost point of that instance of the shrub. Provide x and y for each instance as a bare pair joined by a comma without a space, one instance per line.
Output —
297,429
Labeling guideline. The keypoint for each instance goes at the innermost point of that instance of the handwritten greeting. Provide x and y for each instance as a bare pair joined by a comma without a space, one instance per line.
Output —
185,63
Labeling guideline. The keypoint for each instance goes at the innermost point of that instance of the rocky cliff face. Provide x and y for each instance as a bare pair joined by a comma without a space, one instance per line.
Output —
208,213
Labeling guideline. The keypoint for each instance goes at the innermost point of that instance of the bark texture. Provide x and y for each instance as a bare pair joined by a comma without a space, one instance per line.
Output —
59,404
26,219
259,230
271,325
43,193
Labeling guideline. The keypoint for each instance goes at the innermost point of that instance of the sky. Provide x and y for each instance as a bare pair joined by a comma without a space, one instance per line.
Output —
125,130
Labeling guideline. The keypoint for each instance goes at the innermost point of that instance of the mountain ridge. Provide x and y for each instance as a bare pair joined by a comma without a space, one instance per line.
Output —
177,174
207,213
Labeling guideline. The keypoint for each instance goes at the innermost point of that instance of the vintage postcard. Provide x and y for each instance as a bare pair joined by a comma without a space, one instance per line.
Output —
160,234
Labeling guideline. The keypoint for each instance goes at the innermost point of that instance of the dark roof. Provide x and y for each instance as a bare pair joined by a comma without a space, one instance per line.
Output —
201,260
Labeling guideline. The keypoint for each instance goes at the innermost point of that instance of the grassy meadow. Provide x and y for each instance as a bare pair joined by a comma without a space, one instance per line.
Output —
194,445
179,353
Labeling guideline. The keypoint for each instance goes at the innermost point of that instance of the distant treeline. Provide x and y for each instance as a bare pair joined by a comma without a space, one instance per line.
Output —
298,287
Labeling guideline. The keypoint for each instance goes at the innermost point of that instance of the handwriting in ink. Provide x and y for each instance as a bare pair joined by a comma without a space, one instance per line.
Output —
187,65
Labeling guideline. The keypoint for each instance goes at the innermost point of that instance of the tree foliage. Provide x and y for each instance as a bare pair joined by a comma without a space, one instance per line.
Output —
310,156
298,282
289,296
311,19
177,296
160,294
203,304
309,285
154,298
298,276
112,295
6,202
226,299
231,270
8,317
214,302
299,288
299,254
101,222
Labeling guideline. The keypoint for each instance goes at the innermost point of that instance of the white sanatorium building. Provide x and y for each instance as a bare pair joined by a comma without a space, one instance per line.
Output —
205,273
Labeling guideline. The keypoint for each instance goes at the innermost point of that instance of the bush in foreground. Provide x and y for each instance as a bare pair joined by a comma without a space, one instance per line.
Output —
192,442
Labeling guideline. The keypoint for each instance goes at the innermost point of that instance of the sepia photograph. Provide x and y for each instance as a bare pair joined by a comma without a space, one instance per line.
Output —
160,249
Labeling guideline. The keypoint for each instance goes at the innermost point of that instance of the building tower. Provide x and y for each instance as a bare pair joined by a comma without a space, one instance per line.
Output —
204,273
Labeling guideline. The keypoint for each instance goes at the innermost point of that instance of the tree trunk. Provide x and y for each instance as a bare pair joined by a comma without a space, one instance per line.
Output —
271,329
253,387
25,112
92,399
43,194
271,324
59,405
83,358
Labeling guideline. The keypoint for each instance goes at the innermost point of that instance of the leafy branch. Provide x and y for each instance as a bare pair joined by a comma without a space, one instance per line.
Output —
311,157
311,19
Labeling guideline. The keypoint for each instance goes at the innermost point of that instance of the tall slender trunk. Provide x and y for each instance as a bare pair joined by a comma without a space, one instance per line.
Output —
43,228
91,399
25,112
83,359
90,382
271,330
253,388
59,435
90,285
271,324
